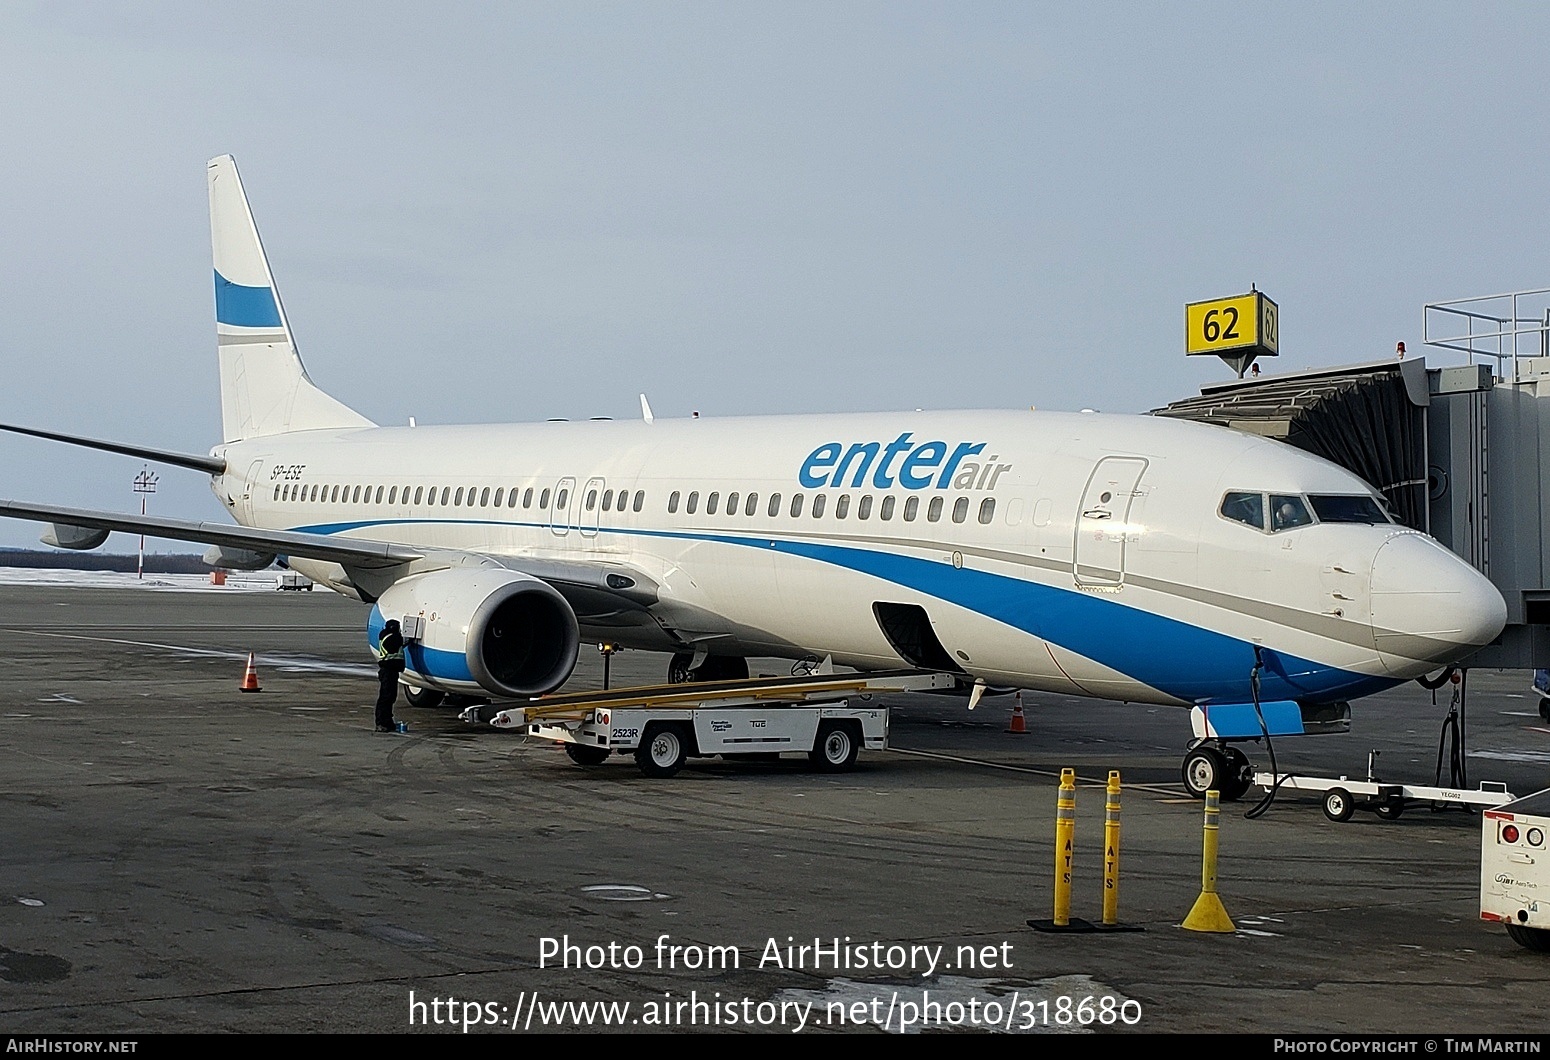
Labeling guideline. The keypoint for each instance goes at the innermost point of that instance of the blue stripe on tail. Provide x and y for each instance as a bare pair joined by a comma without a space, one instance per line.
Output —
245,307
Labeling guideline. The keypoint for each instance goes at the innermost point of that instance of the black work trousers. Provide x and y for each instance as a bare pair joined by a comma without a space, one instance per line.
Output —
387,694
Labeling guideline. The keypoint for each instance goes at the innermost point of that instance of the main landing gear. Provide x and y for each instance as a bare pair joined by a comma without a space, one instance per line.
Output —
1215,765
714,668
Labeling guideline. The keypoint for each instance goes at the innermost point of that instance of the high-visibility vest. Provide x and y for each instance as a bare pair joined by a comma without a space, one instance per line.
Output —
383,655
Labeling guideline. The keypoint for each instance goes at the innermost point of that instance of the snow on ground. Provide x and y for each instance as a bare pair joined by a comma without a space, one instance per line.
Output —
258,581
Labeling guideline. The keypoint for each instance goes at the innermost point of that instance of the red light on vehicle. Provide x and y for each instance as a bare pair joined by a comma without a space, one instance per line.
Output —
1509,833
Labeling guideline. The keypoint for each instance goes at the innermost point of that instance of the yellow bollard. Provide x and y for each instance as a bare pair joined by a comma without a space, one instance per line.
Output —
1209,914
1111,853
1065,832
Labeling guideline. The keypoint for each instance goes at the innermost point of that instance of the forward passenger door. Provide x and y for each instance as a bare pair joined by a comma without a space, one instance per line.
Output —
1102,521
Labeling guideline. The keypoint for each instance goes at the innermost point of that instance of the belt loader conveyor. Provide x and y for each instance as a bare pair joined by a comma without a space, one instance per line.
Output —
665,724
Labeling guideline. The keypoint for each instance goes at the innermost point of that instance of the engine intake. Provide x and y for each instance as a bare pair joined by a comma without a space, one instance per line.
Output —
489,630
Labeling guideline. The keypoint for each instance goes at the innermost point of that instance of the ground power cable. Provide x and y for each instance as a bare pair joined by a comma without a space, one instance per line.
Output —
1260,808
1452,742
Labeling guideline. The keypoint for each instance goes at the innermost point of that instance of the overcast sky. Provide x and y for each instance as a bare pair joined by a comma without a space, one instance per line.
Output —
509,211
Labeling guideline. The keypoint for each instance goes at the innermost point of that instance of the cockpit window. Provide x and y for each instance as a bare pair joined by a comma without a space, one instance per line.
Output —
1245,508
1287,511
1335,508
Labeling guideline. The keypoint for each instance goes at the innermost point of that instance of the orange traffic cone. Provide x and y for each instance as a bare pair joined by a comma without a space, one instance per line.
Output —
1019,728
250,679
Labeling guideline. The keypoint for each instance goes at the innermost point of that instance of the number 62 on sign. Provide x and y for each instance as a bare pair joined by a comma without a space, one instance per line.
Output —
1246,322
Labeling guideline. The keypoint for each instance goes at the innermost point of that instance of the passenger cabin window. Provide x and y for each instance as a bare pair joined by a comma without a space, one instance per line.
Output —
819,500
1287,512
693,502
672,503
911,508
712,502
640,501
562,499
796,505
419,492
886,511
987,510
608,500
591,499
543,499
1335,508
732,503
842,506
355,495
1246,508
333,497
960,509
393,495
934,510
864,509
752,504
774,508
527,497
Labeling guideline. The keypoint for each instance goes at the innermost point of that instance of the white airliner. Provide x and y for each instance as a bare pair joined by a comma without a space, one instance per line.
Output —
1124,557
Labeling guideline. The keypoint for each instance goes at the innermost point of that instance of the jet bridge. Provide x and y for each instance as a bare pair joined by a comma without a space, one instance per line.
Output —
1460,448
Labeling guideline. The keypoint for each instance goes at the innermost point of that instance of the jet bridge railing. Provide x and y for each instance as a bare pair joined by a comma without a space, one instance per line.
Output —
1506,328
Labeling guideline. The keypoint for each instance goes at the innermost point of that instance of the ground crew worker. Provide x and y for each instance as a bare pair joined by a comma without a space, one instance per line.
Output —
390,663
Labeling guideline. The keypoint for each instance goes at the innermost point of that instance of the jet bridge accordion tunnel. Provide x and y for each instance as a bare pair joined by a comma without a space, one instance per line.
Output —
1458,453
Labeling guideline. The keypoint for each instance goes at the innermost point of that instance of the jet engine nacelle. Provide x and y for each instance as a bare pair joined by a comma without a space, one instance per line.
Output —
481,631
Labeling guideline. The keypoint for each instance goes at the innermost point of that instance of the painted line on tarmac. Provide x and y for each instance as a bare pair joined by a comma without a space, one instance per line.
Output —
289,662
1171,793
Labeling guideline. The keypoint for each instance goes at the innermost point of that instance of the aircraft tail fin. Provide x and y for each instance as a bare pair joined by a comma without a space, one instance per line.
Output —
264,386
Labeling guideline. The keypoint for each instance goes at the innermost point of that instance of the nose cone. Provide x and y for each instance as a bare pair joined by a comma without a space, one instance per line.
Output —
1429,607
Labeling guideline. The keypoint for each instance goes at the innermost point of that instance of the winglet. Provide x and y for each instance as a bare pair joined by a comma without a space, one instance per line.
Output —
645,410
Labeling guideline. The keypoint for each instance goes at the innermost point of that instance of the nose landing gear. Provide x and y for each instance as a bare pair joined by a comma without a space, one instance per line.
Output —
1215,765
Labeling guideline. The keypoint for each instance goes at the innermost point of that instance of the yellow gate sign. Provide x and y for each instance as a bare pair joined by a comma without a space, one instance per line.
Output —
1242,326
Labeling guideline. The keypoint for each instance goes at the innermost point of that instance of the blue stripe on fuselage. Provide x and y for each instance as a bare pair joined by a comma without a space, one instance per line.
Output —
1175,657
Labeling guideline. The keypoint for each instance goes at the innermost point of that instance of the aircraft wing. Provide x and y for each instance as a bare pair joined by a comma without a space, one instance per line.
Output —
353,552
597,589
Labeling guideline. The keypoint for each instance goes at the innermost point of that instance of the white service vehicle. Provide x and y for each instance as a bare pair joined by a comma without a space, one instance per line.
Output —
829,718
1515,869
